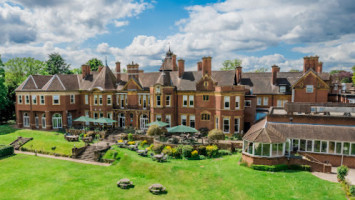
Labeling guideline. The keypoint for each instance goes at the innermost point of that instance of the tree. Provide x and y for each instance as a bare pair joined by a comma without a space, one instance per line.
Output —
94,64
56,64
261,69
294,70
231,64
3,93
154,130
216,134
75,71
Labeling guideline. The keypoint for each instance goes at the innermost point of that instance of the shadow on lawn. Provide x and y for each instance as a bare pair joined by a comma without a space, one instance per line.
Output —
6,129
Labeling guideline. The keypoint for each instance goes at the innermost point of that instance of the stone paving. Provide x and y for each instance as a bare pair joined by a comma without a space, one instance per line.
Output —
333,176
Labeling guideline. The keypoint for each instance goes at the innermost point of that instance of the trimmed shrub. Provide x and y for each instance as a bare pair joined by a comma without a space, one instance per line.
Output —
176,153
270,168
130,137
223,152
203,131
154,130
212,151
202,157
300,167
158,148
194,155
144,142
6,150
216,134
186,151
352,190
168,150
202,150
342,171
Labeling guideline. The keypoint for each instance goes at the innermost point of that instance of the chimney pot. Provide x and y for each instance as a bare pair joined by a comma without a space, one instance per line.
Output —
207,65
118,72
238,74
274,69
181,69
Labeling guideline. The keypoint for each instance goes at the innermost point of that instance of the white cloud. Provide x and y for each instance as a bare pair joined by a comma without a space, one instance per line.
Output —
121,23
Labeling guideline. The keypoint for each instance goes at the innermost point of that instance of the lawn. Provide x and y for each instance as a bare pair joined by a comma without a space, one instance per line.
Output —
30,177
42,140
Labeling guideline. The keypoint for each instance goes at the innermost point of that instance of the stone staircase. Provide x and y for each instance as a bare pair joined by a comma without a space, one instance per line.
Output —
92,153
19,142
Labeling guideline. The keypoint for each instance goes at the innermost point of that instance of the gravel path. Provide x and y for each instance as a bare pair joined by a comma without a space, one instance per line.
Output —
63,158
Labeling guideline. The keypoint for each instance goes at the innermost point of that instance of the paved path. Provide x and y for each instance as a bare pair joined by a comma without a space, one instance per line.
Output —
63,158
333,176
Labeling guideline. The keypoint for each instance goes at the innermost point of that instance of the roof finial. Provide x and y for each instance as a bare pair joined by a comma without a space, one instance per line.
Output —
106,61
169,46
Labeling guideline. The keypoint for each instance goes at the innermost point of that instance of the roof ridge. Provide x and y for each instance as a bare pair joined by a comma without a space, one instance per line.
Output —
61,82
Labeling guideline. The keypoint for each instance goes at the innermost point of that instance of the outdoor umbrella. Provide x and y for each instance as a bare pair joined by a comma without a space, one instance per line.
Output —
158,123
182,129
104,120
83,119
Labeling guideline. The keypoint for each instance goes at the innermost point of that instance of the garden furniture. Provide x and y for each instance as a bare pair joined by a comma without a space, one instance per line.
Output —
157,189
159,157
125,183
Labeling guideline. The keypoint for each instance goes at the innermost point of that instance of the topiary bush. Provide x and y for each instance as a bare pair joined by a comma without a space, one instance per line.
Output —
154,130
6,150
216,134
223,152
352,190
212,151
342,171
186,151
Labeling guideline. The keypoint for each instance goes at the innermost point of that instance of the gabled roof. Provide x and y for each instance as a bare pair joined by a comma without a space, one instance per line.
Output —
164,79
105,80
313,73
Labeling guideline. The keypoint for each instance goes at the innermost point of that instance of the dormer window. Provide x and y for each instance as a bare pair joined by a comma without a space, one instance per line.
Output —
157,89
282,89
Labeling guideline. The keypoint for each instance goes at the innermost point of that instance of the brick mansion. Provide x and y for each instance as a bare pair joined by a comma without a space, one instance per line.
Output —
226,100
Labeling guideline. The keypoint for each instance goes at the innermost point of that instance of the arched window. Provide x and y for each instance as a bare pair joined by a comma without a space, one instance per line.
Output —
57,121
44,121
143,121
26,120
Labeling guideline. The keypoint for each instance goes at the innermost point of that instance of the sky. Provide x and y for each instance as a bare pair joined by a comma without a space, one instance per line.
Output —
259,32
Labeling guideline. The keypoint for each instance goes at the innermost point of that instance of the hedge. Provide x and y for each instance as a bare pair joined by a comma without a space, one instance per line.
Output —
276,168
6,150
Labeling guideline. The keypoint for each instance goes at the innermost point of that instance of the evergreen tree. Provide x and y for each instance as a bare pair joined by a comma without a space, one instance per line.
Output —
57,65
94,64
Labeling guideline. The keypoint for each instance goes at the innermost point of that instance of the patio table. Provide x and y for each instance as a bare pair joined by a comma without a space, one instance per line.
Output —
72,138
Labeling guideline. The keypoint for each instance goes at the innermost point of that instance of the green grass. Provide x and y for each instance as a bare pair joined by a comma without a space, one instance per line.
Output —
42,140
30,177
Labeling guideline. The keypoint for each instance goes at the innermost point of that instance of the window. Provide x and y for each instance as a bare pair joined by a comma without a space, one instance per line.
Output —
338,148
26,120
55,99
316,146
236,125
44,121
167,100
122,98
279,103
158,100
72,98
226,125
206,97
87,115
42,102
226,102
145,101
86,99
157,89
109,99
100,99
183,120
295,144
324,147
346,148
309,145
277,149
158,117
266,101
139,99
192,121
309,88
184,100
57,121
96,116
109,115
191,100
247,103
302,145
205,84
217,123
282,89
168,120
258,101
34,99
19,99
331,148
352,149
335,86
27,99
95,99
351,100
205,116
237,100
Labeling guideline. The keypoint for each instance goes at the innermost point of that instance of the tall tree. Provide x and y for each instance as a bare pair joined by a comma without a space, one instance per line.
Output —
3,90
56,64
94,64
231,64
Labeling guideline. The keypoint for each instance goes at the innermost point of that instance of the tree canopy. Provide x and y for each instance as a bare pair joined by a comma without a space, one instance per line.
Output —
3,89
94,64
294,70
231,64
353,68
57,65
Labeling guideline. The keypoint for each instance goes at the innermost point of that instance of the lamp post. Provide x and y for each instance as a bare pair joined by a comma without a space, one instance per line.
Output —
342,155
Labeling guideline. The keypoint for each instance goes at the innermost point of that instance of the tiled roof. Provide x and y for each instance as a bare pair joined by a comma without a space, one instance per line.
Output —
264,134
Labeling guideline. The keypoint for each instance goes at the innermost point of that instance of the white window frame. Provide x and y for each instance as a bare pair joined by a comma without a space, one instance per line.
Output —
34,99
168,120
191,101
238,119
55,98
168,100
184,100
158,100
42,98
258,101
72,99
183,117
217,123
266,101
226,100
229,124
158,116
109,99
282,89
19,98
26,120
309,89
44,122
27,99
86,99
237,102
95,100
192,118
101,100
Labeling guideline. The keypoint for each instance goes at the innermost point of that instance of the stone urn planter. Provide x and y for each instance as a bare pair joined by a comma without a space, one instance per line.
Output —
125,183
157,189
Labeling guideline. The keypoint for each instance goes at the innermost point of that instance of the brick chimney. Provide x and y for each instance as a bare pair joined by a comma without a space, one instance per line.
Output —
118,72
274,70
199,66
310,62
100,68
175,67
207,65
133,70
238,74
319,68
181,64
85,71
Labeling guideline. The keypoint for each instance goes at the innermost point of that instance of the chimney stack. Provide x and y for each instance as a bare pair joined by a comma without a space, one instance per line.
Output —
118,72
238,74
133,70
206,66
199,66
319,68
85,71
175,67
275,69
181,64
311,62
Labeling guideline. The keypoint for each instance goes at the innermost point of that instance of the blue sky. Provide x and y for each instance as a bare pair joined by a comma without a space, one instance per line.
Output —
259,32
